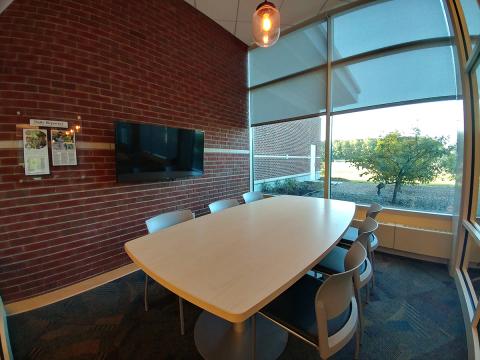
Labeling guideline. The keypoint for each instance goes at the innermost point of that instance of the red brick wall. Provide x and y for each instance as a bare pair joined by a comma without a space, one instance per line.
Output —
104,60
292,139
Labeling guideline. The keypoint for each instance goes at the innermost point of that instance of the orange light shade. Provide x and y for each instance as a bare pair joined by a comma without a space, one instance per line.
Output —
266,24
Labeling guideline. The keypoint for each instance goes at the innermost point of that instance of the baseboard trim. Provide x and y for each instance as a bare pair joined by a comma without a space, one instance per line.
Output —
68,291
410,255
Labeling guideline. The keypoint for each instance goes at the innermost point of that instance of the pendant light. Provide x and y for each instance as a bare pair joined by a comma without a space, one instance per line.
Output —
266,24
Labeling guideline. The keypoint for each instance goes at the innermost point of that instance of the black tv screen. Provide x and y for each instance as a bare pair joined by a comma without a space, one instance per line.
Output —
151,152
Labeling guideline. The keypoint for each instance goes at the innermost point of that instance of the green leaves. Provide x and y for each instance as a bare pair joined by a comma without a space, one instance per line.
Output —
398,159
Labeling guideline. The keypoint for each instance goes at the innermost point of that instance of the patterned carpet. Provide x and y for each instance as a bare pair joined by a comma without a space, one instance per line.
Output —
414,313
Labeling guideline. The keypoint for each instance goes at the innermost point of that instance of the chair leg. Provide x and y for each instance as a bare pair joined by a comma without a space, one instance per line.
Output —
368,293
182,322
145,295
372,261
358,297
357,343
254,337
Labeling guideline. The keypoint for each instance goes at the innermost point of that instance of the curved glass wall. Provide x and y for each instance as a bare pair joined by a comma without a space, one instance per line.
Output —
392,73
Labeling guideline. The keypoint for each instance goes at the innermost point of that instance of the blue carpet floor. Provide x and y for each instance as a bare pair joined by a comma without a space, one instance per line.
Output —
414,313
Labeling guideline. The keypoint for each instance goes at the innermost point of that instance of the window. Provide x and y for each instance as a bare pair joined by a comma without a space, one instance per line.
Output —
288,80
298,51
289,157
297,96
407,76
471,11
401,157
387,23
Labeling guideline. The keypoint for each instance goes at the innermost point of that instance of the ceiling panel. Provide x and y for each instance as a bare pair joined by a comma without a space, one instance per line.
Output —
244,32
218,10
294,11
332,4
246,8
227,25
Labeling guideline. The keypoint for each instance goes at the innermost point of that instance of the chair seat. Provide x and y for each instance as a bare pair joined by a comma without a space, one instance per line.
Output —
295,309
334,262
351,235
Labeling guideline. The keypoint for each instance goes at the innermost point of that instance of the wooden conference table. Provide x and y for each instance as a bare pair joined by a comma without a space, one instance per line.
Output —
233,263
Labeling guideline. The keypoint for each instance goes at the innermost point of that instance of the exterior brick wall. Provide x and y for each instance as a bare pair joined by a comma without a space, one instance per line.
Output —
273,143
108,60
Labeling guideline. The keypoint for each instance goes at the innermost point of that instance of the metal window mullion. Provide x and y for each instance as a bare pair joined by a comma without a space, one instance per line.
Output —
462,53
473,58
293,118
328,108
476,317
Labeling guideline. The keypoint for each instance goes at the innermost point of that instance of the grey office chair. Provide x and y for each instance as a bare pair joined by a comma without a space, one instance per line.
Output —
5,338
352,233
335,260
160,222
222,205
324,314
252,196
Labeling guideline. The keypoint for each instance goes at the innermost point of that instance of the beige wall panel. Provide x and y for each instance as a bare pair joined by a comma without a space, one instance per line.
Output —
412,219
385,234
431,243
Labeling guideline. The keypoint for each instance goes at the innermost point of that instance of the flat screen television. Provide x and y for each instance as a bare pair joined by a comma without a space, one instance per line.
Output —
145,152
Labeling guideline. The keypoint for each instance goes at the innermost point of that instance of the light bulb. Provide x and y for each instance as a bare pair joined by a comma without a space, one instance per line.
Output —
266,24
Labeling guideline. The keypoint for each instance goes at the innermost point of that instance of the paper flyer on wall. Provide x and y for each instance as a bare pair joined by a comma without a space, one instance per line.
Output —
64,149
35,152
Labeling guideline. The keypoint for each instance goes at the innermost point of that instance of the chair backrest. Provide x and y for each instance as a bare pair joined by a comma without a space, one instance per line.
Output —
357,254
222,205
336,296
252,196
374,210
4,336
163,221
366,228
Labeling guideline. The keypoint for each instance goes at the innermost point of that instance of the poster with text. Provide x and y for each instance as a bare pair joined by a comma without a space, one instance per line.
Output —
64,150
35,152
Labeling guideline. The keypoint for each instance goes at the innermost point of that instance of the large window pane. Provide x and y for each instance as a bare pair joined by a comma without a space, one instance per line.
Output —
289,157
387,23
402,157
406,76
298,96
477,74
471,10
300,50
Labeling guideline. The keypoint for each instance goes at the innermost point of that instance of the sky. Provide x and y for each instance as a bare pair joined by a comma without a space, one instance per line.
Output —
440,118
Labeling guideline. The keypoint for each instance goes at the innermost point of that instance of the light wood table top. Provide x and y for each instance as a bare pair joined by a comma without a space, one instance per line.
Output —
235,262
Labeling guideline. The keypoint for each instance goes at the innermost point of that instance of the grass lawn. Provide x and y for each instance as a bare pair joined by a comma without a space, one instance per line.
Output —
434,198
431,197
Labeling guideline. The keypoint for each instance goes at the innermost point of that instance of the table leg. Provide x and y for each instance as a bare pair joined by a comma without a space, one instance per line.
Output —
216,338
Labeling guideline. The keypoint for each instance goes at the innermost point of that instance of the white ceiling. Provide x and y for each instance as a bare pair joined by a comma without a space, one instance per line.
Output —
236,15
